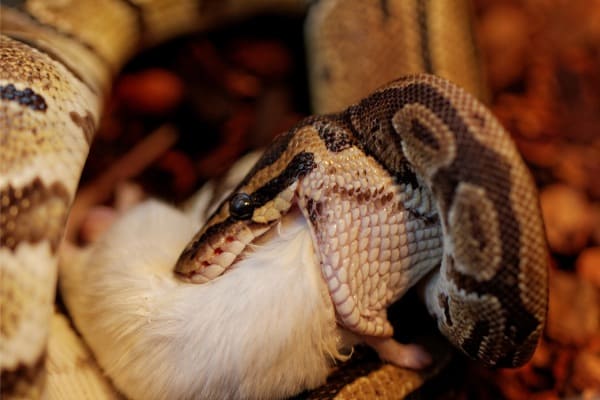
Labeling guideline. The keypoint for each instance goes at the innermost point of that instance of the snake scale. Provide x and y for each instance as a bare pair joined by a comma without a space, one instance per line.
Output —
417,181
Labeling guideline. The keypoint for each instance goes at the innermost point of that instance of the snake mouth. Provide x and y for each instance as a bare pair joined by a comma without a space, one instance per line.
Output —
279,228
216,251
214,258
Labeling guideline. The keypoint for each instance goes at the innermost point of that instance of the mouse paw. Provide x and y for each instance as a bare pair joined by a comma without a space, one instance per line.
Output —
410,356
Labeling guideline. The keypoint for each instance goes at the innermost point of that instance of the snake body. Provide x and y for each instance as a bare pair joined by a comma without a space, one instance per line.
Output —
416,180
416,176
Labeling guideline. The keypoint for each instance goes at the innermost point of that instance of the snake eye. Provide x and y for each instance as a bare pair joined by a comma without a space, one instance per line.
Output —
241,206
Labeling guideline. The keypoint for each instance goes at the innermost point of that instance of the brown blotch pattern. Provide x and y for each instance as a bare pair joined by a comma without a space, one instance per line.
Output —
86,123
25,381
423,133
32,213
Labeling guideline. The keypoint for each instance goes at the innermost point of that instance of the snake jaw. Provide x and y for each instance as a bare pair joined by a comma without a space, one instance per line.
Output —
215,249
240,220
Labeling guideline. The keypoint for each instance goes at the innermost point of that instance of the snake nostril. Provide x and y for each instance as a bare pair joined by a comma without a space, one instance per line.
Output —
241,206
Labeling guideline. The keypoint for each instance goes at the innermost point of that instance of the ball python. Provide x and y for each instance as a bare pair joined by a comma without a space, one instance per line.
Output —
417,175
420,144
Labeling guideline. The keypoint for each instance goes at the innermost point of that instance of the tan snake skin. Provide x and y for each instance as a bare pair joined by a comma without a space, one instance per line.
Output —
489,295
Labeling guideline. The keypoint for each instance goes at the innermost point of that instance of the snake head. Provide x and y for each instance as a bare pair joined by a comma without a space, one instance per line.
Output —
238,222
262,198
214,249
219,243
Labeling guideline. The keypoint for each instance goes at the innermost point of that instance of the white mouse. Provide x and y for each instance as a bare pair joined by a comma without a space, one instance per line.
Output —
265,329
